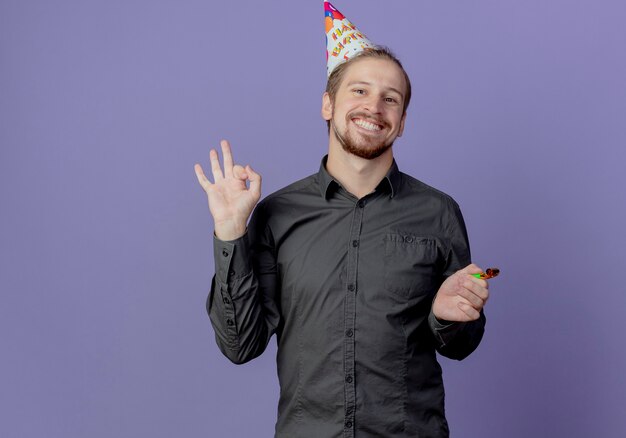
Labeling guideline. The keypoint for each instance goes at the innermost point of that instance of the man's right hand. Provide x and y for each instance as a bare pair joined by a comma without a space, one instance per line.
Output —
231,201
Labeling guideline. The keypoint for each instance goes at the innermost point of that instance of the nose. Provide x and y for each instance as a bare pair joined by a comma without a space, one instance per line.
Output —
374,104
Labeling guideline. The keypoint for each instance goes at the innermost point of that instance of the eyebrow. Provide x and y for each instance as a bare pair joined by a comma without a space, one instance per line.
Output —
367,83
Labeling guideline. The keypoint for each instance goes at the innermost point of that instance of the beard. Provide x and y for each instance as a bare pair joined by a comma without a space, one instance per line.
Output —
367,149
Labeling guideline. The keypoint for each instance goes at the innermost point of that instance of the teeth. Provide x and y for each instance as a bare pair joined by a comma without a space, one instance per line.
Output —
367,125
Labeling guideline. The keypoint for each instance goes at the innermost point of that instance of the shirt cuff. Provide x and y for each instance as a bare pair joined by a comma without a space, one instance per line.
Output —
232,258
444,331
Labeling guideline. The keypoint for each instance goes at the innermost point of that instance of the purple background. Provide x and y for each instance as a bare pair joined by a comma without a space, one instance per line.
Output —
105,239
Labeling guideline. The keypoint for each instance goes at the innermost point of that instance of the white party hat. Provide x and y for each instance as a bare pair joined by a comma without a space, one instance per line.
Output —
343,39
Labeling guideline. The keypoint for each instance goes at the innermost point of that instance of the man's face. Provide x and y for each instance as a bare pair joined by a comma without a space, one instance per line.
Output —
367,114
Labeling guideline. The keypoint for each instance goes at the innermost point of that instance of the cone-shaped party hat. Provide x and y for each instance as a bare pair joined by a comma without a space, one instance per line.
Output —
343,39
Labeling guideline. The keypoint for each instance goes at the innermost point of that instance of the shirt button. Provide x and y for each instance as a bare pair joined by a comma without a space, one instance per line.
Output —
408,239
226,300
361,204
231,274
349,424
229,322
225,253
350,287
349,379
355,243
349,333
349,411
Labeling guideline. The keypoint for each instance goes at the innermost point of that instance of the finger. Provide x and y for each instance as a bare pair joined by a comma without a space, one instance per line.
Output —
228,158
478,287
471,313
255,180
473,297
478,281
202,179
215,165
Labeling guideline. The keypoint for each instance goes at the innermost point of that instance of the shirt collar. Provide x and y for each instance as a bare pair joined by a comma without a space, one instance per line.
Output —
328,184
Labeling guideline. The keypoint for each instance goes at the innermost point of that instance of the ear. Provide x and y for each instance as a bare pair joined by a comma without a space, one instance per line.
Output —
401,130
327,107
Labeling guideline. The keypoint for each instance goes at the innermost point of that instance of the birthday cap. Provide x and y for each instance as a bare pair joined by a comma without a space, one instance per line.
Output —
343,39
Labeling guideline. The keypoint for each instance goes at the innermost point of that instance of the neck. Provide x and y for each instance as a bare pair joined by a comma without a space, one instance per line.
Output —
357,175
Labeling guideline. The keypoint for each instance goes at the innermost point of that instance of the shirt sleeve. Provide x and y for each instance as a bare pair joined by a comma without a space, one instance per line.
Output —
243,302
456,340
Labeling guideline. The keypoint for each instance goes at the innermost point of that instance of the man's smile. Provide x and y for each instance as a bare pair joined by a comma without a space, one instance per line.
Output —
367,125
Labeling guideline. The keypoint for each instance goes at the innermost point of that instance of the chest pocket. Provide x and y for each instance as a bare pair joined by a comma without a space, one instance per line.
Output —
410,265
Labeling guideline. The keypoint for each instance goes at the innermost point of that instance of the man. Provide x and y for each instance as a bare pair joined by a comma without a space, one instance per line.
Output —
363,272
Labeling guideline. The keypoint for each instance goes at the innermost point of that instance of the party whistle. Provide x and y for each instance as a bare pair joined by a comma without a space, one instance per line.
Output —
489,273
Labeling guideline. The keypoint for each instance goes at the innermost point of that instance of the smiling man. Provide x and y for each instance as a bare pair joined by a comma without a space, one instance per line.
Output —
361,271
381,121
364,105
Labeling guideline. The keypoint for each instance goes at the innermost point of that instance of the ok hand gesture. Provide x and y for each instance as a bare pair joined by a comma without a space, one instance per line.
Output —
231,201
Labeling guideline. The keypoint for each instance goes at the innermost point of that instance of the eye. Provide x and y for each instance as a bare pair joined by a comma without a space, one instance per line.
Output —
390,100
358,91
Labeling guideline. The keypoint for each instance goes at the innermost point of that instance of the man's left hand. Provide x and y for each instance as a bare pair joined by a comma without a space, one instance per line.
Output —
461,297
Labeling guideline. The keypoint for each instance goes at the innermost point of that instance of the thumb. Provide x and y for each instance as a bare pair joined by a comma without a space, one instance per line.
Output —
472,269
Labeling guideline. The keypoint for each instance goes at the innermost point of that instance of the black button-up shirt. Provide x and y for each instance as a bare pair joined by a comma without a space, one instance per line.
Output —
347,285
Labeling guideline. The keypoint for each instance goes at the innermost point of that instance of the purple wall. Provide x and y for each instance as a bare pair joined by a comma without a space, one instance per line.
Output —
105,238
